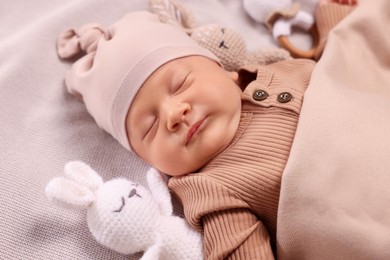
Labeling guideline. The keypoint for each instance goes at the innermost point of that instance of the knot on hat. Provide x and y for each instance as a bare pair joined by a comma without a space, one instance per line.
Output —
73,41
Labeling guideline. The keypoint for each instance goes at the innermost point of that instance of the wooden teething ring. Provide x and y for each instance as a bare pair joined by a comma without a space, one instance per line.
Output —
285,43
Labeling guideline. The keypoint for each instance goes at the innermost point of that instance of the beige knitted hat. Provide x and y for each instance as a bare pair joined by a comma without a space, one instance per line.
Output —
117,61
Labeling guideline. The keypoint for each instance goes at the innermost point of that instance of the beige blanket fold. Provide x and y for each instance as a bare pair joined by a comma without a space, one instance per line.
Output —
335,198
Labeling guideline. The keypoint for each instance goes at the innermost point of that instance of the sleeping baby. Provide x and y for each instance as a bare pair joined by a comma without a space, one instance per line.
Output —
224,137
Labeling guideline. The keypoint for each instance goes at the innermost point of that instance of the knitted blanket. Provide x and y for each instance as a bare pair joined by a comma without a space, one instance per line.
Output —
335,190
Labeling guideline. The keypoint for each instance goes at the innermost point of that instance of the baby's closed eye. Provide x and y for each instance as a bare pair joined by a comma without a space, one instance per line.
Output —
151,122
183,85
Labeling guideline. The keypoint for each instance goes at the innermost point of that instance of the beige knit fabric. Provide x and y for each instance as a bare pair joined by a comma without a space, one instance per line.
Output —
327,17
234,198
335,195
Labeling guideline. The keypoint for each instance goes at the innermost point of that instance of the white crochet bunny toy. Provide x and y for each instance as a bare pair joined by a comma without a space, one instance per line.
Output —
228,45
127,217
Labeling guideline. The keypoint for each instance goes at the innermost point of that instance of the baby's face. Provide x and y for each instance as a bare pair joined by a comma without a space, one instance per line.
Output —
186,113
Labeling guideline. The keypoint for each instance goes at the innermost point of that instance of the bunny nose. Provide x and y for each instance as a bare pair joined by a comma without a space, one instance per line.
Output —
133,193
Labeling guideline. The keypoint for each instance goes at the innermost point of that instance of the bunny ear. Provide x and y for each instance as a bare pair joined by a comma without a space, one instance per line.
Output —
173,12
83,174
267,56
159,189
154,251
69,194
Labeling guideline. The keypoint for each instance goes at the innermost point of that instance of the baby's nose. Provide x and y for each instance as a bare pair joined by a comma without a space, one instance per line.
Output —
176,114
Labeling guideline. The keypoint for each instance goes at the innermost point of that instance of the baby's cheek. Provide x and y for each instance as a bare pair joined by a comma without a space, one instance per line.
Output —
164,157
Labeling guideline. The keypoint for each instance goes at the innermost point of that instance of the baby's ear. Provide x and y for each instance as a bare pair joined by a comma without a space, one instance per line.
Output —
233,75
69,194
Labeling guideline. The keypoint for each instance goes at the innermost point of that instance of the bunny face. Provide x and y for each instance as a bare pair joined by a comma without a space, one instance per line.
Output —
123,216
225,43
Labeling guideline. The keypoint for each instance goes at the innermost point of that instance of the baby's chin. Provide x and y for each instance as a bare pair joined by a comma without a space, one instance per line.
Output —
179,171
197,156
182,168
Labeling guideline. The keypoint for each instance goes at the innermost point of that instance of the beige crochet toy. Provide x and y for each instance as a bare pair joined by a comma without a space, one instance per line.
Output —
127,217
225,43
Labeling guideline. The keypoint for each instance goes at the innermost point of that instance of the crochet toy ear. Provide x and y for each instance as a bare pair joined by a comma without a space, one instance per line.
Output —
159,191
173,12
153,252
69,194
83,174
267,56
